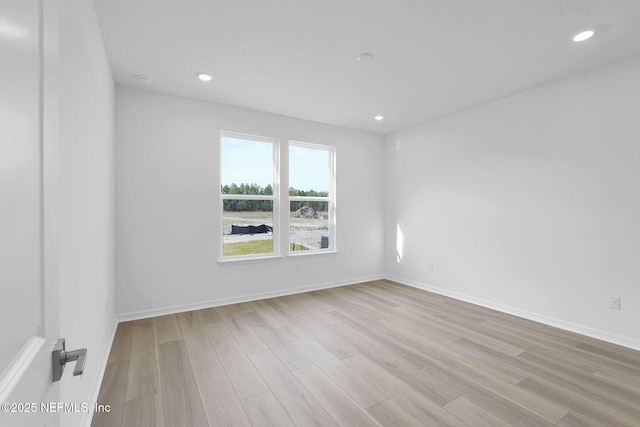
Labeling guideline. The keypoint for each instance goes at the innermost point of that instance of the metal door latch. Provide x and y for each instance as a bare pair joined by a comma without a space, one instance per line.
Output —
60,357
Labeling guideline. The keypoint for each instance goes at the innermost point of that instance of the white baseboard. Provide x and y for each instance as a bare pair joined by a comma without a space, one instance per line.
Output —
143,314
551,321
97,381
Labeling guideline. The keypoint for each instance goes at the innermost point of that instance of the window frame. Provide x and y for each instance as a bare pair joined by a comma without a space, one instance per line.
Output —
275,197
331,199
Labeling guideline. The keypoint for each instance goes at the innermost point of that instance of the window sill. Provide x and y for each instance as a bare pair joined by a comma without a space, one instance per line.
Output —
251,260
310,253
248,260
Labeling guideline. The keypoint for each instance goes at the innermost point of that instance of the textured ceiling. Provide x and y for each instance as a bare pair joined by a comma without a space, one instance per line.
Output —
298,57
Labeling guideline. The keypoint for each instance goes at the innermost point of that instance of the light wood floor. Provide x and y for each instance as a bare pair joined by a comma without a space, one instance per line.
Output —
377,353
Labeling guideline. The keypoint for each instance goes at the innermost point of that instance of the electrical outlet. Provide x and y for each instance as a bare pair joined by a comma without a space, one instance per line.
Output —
614,302
430,266
297,269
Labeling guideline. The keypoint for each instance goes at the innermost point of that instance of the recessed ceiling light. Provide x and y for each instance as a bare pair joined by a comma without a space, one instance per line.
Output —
204,77
378,118
365,57
144,80
585,35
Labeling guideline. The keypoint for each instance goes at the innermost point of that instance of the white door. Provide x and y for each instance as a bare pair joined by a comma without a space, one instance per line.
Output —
28,183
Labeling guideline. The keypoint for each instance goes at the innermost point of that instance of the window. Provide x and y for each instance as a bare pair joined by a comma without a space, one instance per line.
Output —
311,198
251,203
249,194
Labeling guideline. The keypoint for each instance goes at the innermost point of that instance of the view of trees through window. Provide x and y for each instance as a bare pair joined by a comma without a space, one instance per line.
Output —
247,209
255,205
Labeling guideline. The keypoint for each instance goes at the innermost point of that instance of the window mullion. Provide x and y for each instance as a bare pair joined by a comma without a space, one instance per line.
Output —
308,199
247,197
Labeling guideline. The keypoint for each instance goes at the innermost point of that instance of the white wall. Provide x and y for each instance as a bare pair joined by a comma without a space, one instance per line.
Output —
168,208
87,199
529,204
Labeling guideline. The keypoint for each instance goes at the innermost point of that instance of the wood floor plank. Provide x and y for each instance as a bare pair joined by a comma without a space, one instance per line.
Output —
332,342
424,320
462,313
472,332
167,329
368,346
538,341
483,357
112,393
145,411
289,333
415,403
388,351
473,414
539,335
395,363
412,294
243,376
268,313
312,302
390,414
350,308
121,346
598,412
243,333
144,376
626,379
402,301
489,360
180,395
191,328
295,312
562,334
359,388
575,420
564,358
522,323
313,324
222,406
375,335
340,406
231,309
363,289
413,331
529,343
534,403
613,352
514,414
301,406
363,300
264,410
208,315
288,354
587,386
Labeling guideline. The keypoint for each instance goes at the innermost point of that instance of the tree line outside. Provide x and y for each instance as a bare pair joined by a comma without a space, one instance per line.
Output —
267,205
